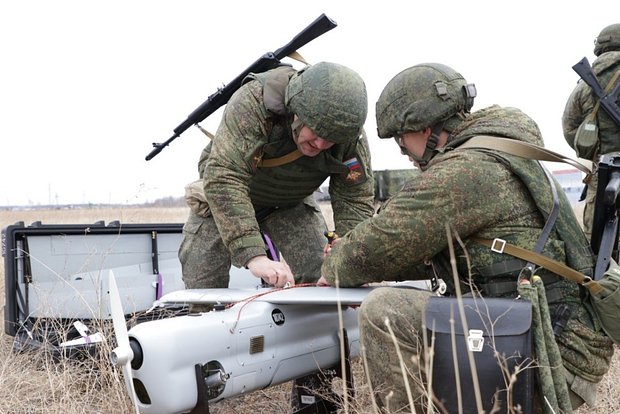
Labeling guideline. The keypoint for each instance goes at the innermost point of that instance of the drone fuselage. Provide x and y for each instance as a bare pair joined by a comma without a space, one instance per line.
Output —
249,346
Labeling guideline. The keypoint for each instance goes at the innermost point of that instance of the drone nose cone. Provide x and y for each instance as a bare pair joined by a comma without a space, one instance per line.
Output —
121,355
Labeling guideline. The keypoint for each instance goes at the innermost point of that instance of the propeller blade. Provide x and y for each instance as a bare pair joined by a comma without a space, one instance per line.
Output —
122,354
118,315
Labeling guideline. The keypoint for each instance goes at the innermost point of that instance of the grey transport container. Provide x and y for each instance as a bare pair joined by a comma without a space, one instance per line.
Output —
56,278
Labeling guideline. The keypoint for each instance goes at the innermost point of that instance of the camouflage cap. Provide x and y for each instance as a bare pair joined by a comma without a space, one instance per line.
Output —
330,99
422,96
608,39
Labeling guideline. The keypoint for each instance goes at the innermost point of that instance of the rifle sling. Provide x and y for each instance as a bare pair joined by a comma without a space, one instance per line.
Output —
520,149
270,163
276,162
608,88
501,246
531,151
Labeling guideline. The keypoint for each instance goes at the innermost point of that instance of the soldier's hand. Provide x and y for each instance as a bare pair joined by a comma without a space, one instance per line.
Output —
322,282
332,239
277,274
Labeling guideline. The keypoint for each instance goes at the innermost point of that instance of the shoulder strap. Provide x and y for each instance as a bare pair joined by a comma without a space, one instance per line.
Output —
520,149
501,246
553,215
610,84
276,162
531,151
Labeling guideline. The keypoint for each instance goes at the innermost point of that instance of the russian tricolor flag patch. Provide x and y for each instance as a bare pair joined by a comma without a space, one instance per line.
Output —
352,163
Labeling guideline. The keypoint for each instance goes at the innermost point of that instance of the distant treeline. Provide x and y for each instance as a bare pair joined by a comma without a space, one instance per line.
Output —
165,202
387,183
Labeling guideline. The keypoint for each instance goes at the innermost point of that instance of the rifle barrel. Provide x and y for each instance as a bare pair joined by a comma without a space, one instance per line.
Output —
321,25
157,147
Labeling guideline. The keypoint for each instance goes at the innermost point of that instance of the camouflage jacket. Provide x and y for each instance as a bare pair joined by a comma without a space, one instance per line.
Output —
480,193
255,125
581,103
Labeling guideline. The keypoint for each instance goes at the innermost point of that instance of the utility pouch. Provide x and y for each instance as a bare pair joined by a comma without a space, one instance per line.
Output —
586,138
607,302
196,200
499,337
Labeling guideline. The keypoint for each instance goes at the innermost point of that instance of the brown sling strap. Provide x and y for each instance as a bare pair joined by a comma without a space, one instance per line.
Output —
530,151
276,162
501,246
520,149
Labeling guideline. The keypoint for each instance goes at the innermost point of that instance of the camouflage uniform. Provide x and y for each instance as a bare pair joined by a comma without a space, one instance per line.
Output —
581,103
481,193
256,125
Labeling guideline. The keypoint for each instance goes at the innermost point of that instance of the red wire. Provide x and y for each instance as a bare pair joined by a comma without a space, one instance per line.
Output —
258,295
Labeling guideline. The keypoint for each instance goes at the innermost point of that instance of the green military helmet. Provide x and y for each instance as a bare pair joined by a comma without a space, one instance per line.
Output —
608,39
422,96
330,99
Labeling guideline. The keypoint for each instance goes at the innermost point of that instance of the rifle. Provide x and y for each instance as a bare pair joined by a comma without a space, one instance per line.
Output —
606,223
268,61
607,101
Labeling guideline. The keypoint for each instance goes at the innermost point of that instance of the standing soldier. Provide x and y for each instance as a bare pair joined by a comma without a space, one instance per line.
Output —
479,193
587,128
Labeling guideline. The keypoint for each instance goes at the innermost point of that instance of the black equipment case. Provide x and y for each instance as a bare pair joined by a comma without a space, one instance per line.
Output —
500,340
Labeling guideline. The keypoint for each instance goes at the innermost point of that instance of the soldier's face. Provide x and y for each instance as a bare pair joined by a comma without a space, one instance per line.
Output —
309,143
413,143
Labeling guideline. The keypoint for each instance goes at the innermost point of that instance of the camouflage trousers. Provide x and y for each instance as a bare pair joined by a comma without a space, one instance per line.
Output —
297,232
386,353
588,207
393,352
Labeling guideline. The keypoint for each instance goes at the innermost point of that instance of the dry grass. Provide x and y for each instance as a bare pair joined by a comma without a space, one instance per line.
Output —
36,384
33,382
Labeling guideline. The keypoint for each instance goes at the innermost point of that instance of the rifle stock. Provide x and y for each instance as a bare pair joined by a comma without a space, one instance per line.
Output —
268,61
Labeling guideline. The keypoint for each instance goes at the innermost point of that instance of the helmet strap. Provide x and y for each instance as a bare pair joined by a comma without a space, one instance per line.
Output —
431,146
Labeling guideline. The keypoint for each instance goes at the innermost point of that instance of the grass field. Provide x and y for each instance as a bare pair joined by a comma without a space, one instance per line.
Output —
33,383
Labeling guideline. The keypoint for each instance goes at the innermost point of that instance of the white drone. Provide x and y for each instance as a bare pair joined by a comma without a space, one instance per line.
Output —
253,339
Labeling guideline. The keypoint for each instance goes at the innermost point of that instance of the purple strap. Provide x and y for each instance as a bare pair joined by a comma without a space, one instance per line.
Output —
160,286
272,252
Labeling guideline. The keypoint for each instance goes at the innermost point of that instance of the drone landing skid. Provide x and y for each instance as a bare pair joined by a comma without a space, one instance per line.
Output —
304,397
202,405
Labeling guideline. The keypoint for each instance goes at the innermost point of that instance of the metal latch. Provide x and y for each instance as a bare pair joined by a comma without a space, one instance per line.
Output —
475,340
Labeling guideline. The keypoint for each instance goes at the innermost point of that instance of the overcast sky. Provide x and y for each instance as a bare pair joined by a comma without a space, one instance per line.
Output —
87,86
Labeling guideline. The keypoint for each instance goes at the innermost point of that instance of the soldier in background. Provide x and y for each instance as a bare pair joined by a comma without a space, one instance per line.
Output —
282,134
479,193
588,130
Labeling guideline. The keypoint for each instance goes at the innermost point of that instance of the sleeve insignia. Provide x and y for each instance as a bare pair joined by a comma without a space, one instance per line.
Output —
356,172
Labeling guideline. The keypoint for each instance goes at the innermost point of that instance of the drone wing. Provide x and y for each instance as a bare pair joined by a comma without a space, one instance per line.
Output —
303,295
